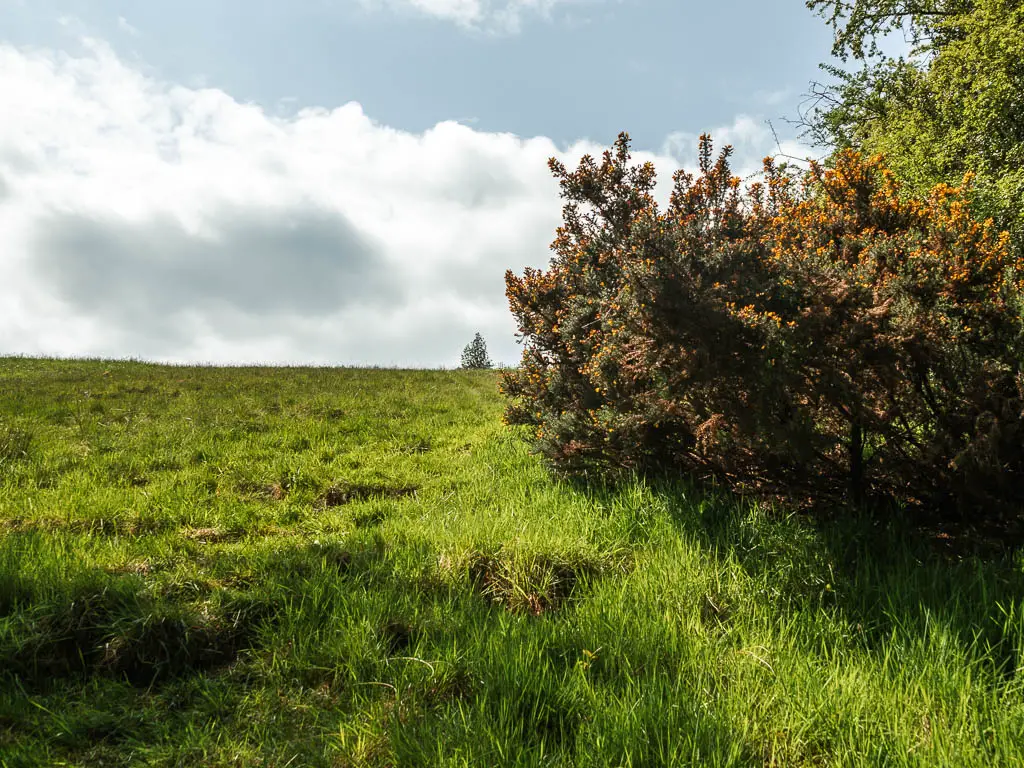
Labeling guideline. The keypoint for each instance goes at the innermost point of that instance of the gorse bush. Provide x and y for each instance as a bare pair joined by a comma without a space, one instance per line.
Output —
820,333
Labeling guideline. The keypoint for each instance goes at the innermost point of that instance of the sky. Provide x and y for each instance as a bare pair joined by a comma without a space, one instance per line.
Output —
342,182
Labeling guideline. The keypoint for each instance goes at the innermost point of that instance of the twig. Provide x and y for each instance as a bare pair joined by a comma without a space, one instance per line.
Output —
429,664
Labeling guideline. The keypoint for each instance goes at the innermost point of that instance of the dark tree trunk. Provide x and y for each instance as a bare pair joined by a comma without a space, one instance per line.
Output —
856,447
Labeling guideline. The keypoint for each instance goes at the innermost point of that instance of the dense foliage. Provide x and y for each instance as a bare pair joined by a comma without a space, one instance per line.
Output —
955,105
474,355
826,333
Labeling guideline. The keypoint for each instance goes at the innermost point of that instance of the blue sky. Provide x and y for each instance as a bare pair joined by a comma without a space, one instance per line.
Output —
340,181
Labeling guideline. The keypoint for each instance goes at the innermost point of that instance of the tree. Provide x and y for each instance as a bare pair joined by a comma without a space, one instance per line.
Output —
475,354
859,24
956,106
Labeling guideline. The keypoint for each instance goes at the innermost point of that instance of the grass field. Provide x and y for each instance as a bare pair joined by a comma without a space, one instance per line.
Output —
339,567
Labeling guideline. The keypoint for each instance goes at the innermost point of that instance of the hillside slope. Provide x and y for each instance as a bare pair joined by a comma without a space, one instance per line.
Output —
351,567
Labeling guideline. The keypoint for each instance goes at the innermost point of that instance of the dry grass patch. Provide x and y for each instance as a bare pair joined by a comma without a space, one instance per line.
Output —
337,495
211,535
531,583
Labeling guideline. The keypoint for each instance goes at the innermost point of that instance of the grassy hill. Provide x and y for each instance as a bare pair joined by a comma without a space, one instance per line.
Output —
330,567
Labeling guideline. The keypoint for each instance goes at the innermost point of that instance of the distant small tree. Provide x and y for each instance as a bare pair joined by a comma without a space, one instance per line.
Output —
475,354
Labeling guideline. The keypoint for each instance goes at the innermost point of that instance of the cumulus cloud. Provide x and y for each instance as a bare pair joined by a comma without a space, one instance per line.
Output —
147,219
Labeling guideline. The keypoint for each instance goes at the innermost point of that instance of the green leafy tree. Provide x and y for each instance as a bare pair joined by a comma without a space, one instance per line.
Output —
859,24
955,106
475,354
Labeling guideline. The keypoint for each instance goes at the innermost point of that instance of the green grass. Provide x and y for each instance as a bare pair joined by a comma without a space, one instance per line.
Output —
329,567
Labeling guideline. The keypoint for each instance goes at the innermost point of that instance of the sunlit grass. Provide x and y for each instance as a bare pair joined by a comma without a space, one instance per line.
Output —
205,566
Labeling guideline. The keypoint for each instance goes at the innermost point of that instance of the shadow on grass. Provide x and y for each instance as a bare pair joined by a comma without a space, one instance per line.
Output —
108,627
882,570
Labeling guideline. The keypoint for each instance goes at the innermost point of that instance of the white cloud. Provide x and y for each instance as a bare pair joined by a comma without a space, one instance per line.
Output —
751,138
125,26
147,219
774,97
498,16
140,218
